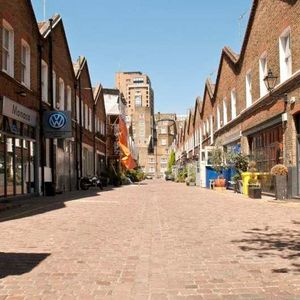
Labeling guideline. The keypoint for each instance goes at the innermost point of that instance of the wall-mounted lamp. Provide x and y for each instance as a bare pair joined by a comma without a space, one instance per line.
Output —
270,81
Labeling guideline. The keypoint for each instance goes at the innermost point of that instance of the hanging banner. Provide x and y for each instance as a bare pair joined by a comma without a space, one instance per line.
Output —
57,124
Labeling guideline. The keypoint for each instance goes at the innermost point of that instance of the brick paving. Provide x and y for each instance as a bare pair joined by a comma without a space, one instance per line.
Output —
159,240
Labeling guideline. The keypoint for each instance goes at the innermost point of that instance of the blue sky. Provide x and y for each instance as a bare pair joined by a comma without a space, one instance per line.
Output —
177,43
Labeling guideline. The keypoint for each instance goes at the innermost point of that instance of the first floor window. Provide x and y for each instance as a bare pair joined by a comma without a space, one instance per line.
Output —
7,48
25,63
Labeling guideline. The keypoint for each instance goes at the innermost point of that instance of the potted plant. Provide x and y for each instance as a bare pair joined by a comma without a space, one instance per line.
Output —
280,172
254,188
191,180
239,162
218,164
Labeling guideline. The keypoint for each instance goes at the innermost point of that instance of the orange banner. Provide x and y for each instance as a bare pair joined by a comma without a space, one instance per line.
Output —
127,161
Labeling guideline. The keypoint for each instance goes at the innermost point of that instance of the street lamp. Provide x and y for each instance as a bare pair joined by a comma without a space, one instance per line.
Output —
270,81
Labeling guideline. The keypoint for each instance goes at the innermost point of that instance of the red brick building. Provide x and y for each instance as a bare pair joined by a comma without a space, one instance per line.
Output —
85,115
58,93
19,99
100,129
239,111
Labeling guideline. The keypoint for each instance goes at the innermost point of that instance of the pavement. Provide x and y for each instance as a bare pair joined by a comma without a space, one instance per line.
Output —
157,240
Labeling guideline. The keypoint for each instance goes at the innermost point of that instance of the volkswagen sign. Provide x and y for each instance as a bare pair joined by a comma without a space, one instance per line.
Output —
57,120
57,124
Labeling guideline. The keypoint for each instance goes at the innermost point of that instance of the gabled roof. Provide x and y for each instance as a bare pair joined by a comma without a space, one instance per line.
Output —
33,14
197,109
44,26
79,65
209,89
233,58
45,29
96,91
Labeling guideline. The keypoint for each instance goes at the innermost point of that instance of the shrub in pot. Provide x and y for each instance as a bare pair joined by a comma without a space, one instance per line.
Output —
280,172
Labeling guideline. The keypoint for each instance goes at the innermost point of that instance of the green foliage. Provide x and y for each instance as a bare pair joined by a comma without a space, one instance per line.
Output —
171,161
182,175
135,175
239,161
218,160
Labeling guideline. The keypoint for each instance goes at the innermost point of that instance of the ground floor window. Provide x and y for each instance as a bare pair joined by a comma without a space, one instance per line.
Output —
266,148
17,158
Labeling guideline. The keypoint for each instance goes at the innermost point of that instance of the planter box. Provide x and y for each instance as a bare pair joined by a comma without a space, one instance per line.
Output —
254,192
281,187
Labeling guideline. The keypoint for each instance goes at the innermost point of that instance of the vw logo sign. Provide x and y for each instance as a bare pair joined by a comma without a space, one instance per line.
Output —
57,120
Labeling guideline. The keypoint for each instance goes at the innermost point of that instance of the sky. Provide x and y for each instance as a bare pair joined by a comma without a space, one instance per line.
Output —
176,42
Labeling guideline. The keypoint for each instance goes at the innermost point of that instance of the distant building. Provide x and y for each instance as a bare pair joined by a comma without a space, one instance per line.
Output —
165,132
136,88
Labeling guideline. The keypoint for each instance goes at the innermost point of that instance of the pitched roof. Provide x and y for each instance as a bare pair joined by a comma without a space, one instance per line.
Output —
44,26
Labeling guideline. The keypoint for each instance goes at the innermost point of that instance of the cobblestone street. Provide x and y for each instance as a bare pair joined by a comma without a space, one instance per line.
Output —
157,240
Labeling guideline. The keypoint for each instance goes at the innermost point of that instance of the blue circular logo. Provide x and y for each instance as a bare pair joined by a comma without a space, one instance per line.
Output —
57,120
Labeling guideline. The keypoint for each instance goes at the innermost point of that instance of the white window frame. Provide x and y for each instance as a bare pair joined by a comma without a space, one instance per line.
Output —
263,72
218,117
86,117
61,94
9,50
25,65
225,119
249,89
211,130
285,55
207,126
90,119
44,77
69,98
233,104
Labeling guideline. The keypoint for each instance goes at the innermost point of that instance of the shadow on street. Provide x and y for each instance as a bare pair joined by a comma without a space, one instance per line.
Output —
269,242
19,263
39,205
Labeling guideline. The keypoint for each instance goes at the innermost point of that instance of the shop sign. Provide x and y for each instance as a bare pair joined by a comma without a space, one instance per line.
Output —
18,112
57,124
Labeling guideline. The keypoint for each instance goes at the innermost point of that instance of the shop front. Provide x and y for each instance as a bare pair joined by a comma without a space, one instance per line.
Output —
17,149
266,149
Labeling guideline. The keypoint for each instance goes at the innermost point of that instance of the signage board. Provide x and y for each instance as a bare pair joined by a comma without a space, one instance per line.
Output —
57,124
18,112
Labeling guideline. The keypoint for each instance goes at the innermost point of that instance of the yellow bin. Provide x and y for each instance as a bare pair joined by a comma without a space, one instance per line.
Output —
246,176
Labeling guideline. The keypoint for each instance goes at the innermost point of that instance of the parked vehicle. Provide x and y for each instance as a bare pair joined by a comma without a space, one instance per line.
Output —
87,182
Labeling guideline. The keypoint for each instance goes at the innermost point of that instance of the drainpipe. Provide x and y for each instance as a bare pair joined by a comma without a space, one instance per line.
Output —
76,136
41,160
94,135
80,126
52,147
